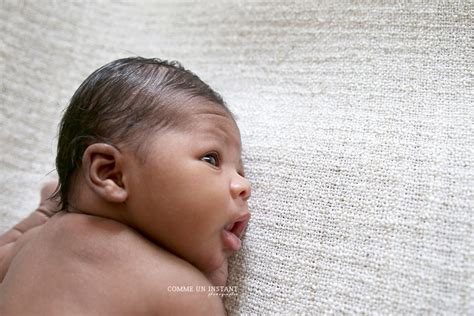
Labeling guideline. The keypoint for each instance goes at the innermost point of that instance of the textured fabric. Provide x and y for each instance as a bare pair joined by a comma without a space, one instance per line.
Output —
357,125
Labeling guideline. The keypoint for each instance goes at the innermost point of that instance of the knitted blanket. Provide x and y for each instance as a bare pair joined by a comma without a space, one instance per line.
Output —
356,121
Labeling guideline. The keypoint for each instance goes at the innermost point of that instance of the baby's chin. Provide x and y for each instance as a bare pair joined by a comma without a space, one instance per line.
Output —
210,263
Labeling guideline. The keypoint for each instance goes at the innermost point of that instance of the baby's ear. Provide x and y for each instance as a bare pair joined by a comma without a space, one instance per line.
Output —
102,166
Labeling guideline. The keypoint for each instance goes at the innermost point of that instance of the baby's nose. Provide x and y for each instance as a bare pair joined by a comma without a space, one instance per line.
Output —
240,188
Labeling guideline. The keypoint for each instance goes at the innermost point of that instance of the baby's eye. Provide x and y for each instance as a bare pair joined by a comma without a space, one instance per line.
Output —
212,159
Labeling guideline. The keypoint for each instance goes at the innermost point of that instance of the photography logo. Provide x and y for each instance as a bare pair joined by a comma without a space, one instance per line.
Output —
210,290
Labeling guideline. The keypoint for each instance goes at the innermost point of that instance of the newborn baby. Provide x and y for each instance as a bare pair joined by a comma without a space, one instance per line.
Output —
152,194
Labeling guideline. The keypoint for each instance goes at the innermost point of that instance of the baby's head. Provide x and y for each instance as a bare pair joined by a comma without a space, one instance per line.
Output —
122,103
147,143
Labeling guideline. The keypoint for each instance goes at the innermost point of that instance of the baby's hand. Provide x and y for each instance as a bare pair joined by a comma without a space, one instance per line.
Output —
219,277
14,239
47,208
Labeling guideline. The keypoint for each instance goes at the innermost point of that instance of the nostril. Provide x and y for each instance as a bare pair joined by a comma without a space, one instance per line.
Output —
240,189
245,195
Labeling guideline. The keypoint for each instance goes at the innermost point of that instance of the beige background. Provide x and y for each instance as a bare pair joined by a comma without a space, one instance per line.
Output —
357,124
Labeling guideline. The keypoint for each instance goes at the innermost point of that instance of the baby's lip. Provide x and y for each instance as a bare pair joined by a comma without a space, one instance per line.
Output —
232,232
238,225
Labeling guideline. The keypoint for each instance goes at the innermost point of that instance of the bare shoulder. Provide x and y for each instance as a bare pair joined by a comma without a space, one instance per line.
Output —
148,274
147,277
113,268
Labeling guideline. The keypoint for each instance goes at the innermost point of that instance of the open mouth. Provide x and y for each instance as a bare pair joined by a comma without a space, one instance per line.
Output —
237,227
233,231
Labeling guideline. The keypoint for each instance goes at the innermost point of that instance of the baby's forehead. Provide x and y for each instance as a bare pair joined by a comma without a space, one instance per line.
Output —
200,106
195,117
208,117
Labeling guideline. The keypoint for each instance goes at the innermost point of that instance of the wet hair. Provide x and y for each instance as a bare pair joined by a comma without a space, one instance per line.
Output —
121,103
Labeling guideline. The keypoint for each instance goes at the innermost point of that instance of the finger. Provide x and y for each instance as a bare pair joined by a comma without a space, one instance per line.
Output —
47,208
36,218
49,205
9,237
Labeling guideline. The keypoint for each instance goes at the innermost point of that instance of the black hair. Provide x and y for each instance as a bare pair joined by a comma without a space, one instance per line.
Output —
119,102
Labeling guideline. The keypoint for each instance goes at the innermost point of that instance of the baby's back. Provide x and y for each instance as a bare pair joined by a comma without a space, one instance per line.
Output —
81,264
